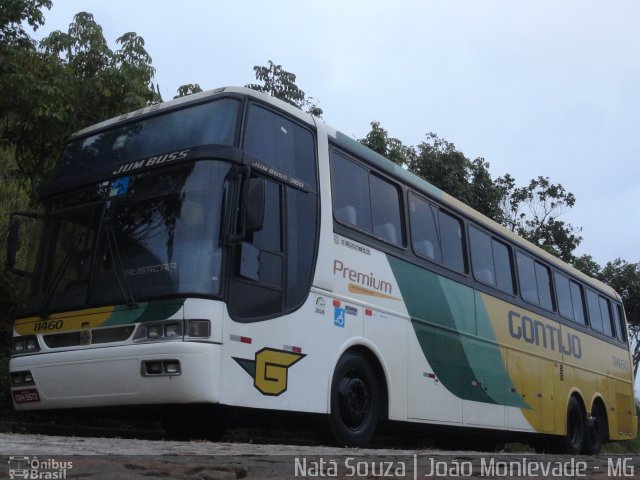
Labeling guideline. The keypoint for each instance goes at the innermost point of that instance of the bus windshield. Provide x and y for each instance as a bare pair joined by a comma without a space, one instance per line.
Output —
155,233
211,123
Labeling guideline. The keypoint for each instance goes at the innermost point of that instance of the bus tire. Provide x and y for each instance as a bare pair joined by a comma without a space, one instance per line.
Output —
355,401
573,442
596,431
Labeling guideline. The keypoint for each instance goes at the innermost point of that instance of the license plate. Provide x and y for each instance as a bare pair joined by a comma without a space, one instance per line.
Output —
26,396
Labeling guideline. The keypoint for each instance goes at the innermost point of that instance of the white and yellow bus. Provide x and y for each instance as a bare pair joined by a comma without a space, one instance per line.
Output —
228,250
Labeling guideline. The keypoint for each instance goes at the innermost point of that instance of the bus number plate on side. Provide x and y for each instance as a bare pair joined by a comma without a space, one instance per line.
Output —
28,395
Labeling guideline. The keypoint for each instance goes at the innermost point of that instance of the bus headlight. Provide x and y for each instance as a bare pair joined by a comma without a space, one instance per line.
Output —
26,344
199,328
173,330
154,331
169,330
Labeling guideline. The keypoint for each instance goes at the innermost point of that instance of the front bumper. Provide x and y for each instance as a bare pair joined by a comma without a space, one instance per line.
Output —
113,376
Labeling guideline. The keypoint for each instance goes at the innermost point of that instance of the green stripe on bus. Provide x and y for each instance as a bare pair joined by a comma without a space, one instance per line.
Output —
445,316
160,310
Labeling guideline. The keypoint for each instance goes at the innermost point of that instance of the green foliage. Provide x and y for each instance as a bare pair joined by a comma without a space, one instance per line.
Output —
188,89
379,141
532,212
587,265
13,15
71,80
13,197
279,83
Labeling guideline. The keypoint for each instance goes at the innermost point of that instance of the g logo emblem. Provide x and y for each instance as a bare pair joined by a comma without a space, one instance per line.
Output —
270,369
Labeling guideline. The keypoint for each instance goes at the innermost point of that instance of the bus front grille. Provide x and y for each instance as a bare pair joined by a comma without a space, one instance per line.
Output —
98,335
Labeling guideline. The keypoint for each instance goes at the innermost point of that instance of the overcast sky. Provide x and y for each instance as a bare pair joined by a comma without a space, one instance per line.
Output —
536,87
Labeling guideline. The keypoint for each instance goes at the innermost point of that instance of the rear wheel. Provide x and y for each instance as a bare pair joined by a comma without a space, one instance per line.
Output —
596,430
573,442
355,401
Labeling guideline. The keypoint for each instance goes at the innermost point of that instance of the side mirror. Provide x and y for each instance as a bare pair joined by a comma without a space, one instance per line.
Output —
16,245
255,205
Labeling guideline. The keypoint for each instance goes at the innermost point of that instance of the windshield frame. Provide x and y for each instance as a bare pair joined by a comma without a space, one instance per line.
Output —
216,199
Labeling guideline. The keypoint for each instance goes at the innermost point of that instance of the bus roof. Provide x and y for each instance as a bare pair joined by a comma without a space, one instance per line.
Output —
191,99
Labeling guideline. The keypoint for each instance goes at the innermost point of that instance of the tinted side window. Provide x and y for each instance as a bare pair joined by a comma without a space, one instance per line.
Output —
386,211
563,294
481,256
543,280
605,311
527,277
503,266
452,242
350,191
619,320
301,235
279,142
424,229
577,299
595,316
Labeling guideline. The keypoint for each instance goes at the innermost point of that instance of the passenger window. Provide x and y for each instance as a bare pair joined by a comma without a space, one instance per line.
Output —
595,315
527,277
503,262
350,191
366,201
620,323
452,242
605,311
543,281
563,294
481,256
424,229
386,211
577,299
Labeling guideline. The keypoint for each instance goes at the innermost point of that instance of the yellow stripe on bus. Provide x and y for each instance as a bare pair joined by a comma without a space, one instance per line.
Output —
353,288
63,322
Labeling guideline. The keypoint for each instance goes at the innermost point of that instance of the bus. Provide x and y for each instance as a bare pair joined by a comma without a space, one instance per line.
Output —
227,250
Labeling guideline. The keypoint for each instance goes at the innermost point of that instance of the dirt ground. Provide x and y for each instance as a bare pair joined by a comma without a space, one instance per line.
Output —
56,457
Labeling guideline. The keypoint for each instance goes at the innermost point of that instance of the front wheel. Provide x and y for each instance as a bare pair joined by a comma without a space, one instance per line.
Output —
355,402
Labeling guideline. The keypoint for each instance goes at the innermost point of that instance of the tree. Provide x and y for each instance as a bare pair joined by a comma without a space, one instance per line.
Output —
532,212
587,265
379,141
443,165
279,83
13,15
188,89
69,81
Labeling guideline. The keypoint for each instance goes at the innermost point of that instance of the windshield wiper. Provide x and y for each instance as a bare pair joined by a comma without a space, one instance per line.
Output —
121,277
